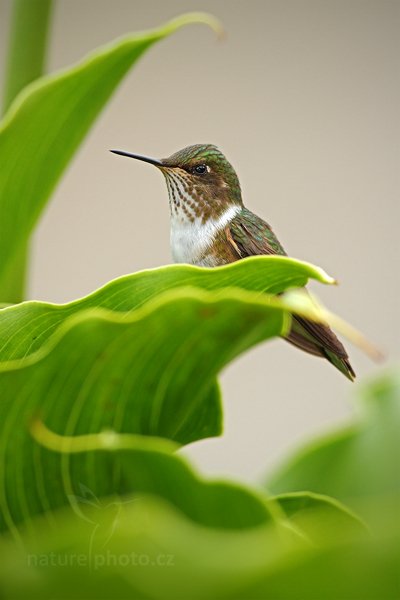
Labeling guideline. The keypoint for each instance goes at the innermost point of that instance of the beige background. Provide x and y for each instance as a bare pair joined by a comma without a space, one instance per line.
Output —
303,97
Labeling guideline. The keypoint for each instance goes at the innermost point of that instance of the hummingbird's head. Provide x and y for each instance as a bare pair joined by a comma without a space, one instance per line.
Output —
201,182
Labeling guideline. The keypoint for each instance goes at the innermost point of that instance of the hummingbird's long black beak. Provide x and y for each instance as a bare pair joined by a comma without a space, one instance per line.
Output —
152,161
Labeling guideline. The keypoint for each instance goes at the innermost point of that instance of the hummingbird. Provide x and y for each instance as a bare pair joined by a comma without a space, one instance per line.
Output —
210,226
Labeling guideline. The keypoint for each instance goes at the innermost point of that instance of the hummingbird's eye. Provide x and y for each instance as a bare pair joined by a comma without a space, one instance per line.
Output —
200,169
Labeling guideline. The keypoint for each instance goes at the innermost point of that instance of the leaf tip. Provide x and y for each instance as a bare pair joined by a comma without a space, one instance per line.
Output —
325,278
198,18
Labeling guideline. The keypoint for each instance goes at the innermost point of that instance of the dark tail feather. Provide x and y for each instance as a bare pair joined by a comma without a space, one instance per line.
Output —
343,364
318,339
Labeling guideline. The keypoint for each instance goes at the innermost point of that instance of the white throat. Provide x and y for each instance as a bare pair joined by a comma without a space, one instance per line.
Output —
190,239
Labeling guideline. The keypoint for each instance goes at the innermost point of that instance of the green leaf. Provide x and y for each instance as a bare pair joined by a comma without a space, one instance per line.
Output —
45,126
24,328
367,570
151,372
145,465
188,538
359,465
320,517
150,548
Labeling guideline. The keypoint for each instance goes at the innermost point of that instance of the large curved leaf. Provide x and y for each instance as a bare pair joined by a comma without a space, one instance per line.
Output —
24,328
152,372
213,538
145,465
45,126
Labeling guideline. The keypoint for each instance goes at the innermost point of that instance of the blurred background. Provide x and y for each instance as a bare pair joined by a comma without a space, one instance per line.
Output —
303,97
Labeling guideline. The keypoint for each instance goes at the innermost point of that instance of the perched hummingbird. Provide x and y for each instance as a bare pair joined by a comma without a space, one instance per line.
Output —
210,227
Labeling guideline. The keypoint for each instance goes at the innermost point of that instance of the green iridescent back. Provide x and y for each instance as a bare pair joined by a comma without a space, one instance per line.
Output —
253,235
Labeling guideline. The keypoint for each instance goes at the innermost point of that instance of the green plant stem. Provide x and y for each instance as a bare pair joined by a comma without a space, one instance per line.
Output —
25,63
27,47
12,282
